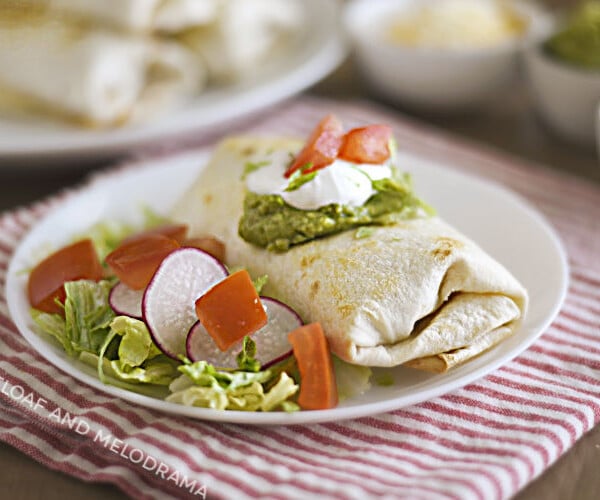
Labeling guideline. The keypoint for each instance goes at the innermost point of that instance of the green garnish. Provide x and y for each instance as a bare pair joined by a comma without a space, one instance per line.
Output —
250,167
300,177
246,358
260,282
289,406
364,232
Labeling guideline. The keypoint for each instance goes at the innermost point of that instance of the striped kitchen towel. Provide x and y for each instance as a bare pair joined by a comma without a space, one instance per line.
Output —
484,441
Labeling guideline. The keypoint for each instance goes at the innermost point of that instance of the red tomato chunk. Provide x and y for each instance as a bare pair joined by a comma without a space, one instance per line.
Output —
318,387
177,232
73,262
231,310
367,144
322,146
210,245
135,261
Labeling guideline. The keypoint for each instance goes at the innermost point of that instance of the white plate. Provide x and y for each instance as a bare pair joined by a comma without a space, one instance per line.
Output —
313,53
500,222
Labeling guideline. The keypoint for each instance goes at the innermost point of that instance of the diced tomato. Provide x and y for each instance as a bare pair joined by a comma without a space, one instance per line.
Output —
322,146
231,310
209,244
177,232
134,262
366,144
318,388
73,262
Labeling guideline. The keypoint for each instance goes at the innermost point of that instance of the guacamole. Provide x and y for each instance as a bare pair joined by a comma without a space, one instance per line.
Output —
579,41
269,222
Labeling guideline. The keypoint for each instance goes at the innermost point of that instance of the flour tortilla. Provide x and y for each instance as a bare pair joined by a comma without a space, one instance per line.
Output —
98,77
417,293
170,16
244,35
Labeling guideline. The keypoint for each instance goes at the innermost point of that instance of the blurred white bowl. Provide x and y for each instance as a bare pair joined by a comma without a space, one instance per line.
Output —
566,96
435,79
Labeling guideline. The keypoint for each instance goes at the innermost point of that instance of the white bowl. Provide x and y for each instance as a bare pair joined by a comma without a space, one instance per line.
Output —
566,96
438,79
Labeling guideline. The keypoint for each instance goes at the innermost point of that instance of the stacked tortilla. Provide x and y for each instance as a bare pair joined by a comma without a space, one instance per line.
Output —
108,62
417,292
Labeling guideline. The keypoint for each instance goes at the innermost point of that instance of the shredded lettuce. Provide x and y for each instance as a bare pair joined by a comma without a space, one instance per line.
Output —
153,219
159,371
53,325
279,393
116,345
204,374
87,316
260,282
289,406
123,353
246,359
204,385
108,235
137,359
136,344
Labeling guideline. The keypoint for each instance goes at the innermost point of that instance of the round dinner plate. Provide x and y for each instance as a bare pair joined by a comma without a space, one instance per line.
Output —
501,222
312,54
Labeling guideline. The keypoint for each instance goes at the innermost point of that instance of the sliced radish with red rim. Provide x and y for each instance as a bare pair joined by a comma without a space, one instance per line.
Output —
271,340
168,304
125,301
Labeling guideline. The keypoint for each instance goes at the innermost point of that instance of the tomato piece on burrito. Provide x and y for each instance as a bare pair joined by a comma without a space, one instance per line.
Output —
321,148
368,144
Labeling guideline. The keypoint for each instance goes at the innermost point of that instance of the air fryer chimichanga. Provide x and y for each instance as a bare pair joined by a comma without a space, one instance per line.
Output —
390,288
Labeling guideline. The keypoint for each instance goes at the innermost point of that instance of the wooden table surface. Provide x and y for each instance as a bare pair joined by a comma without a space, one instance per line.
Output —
507,124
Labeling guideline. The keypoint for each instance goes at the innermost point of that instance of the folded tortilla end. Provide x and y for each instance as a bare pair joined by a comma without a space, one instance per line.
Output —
442,362
433,364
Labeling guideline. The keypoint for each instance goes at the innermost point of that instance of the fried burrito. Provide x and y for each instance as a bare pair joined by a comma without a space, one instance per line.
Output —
388,289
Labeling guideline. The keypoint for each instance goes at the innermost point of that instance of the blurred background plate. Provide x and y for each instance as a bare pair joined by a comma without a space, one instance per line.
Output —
313,53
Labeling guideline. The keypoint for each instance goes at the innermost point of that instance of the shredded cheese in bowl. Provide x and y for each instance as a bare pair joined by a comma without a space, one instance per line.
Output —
457,24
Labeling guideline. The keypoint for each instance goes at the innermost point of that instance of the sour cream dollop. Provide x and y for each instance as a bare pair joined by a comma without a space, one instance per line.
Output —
341,182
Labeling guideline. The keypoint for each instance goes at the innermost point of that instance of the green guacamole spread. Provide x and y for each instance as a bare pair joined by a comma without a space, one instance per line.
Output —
579,41
269,222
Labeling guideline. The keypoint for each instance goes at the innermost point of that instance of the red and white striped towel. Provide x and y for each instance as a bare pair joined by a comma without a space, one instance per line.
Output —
487,440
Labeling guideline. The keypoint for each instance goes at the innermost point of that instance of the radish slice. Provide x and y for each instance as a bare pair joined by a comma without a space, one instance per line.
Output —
271,340
126,301
168,305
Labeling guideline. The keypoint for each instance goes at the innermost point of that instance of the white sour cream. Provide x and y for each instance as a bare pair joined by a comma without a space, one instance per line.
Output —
341,182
